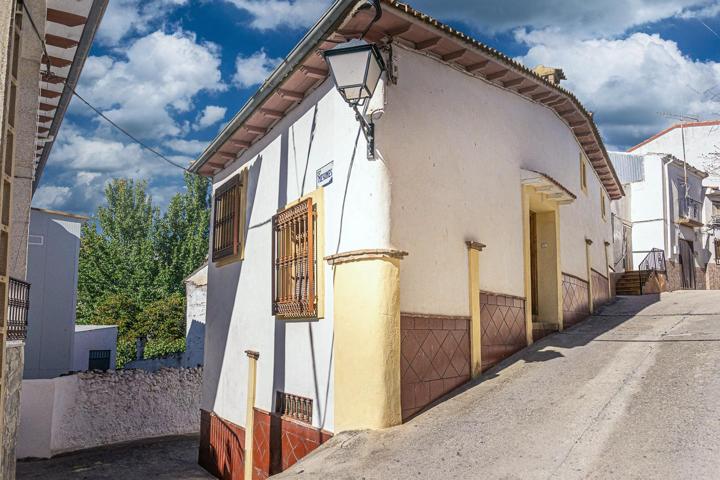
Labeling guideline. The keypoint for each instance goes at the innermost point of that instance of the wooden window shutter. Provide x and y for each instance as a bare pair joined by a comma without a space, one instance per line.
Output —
294,262
227,239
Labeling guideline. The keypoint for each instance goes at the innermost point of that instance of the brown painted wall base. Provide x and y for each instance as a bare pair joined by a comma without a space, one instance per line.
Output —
278,444
502,320
575,300
434,358
601,292
712,277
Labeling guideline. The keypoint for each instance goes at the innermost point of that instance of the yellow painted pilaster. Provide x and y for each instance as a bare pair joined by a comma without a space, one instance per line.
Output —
250,412
558,272
588,244
607,269
366,289
526,256
474,249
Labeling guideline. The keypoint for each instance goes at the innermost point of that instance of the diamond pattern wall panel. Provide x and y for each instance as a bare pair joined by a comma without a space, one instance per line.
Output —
434,358
600,285
502,320
575,300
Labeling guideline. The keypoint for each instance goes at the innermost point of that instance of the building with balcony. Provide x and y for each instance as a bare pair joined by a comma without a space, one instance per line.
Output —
663,215
366,272
45,44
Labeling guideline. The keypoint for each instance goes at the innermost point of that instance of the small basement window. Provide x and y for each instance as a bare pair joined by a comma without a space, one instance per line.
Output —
99,360
293,406
229,219
295,261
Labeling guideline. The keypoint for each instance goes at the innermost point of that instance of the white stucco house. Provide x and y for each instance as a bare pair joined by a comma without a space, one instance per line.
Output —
665,211
373,272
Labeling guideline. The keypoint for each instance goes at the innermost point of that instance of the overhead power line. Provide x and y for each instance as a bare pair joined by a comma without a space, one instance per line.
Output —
50,75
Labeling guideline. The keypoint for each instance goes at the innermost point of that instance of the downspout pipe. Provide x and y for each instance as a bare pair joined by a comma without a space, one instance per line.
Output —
667,221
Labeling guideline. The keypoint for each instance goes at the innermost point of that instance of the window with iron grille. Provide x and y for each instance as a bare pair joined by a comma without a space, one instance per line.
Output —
294,261
228,219
99,360
293,406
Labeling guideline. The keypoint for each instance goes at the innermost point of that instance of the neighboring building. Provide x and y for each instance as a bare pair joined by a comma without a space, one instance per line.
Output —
196,304
54,251
664,211
696,143
33,99
95,347
364,284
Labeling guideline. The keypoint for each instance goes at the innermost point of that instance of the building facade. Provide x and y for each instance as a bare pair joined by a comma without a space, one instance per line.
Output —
39,67
372,287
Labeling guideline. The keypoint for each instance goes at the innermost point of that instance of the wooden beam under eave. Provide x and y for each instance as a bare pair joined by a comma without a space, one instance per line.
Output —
586,133
514,82
578,124
477,66
349,34
60,42
565,113
274,114
314,72
528,89
497,75
549,100
255,130
396,32
46,107
65,18
239,143
57,62
426,44
290,95
541,96
556,103
55,79
227,156
454,55
45,118
591,152
49,93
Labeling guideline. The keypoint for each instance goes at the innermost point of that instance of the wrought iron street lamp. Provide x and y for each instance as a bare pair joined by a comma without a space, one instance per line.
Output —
356,68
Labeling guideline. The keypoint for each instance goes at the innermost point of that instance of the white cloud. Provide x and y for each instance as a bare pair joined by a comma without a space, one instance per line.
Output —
271,14
187,147
211,115
586,19
51,197
253,70
124,17
159,76
628,81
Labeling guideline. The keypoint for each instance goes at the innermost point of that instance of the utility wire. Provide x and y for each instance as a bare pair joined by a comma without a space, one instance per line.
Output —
50,75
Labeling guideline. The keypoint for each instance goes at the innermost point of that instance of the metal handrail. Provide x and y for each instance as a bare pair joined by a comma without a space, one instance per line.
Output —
654,261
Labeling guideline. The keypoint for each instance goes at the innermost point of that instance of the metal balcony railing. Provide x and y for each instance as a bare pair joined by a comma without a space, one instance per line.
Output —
714,221
691,210
18,308
655,260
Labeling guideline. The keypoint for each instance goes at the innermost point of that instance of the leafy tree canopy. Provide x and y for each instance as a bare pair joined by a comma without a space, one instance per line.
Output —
133,260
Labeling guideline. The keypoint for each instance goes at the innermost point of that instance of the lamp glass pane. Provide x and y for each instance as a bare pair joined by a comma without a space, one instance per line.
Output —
349,68
373,75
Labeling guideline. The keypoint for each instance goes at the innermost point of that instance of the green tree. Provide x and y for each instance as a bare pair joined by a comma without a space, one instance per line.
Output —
133,261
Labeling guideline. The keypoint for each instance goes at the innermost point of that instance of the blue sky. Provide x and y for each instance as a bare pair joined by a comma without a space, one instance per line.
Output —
173,72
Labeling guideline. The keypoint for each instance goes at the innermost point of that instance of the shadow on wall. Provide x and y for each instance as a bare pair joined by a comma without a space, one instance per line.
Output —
605,319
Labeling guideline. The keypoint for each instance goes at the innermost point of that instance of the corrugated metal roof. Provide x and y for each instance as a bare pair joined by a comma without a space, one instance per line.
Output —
630,168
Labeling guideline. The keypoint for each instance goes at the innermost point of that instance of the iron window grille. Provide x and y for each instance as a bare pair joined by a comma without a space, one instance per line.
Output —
294,261
18,308
293,406
227,234
99,360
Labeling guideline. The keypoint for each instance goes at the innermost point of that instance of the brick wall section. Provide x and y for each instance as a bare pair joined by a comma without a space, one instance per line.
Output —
575,300
601,294
502,320
434,358
278,444
674,275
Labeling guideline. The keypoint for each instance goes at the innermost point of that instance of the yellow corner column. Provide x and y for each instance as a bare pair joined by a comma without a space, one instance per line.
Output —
607,269
588,244
366,293
474,249
250,412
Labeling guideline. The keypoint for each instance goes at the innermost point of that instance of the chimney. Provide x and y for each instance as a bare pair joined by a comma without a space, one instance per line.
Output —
551,74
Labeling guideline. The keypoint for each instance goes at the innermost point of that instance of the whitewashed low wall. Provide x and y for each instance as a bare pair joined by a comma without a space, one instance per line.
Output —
93,409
